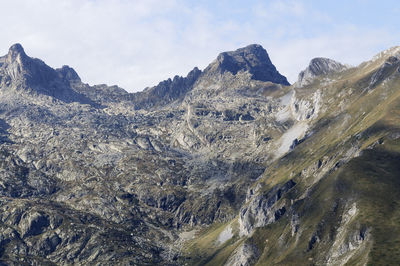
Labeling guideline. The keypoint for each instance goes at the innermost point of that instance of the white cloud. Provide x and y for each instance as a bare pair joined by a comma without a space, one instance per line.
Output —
276,9
106,41
350,46
138,43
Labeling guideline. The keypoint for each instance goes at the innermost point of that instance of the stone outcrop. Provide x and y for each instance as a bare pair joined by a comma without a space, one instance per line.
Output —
263,209
166,91
253,58
230,156
21,72
245,255
318,66
306,108
143,165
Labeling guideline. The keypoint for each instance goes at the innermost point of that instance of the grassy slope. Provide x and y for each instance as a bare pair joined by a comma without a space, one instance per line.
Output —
372,180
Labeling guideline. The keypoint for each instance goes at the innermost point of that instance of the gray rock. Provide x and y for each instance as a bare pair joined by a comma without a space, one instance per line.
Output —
263,209
318,66
68,73
384,71
33,223
22,72
94,174
165,92
246,254
253,58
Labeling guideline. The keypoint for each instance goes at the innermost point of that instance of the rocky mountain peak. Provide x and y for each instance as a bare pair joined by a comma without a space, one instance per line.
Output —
208,168
16,51
21,72
68,73
15,61
317,67
22,68
320,65
252,58
166,91
384,55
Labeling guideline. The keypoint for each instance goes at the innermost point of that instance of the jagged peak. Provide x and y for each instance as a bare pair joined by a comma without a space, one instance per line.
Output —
25,70
321,65
166,91
36,77
68,73
382,57
15,51
252,49
318,66
392,51
252,58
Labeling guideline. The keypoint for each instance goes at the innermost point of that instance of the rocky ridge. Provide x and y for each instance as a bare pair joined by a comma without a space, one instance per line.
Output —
209,168
317,67
253,58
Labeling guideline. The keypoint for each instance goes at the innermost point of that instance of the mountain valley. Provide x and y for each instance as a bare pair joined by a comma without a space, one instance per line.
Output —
230,165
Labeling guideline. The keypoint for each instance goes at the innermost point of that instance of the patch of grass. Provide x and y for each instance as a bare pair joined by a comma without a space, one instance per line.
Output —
205,248
371,180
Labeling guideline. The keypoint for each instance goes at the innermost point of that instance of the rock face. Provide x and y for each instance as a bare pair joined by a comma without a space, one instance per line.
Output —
68,73
166,91
254,59
262,210
228,165
22,72
33,224
25,71
140,166
245,255
306,108
317,67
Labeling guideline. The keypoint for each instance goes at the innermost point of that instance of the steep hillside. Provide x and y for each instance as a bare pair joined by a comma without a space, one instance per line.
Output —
332,200
229,165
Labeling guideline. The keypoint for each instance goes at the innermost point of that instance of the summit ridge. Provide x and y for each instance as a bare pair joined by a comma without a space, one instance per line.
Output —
229,165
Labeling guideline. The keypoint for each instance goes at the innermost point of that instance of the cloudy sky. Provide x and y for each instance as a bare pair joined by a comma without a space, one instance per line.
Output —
138,43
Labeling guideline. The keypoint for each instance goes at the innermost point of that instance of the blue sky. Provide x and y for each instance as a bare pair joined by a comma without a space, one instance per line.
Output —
138,43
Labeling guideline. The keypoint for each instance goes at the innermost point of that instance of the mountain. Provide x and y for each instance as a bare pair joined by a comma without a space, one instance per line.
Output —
229,165
317,67
252,58
21,72
166,91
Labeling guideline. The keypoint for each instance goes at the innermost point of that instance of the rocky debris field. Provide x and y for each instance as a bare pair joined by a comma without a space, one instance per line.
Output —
228,165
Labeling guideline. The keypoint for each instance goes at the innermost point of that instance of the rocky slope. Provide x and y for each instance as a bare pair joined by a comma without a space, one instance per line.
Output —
319,67
229,165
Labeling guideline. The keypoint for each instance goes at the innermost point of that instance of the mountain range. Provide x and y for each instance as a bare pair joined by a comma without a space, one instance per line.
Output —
230,165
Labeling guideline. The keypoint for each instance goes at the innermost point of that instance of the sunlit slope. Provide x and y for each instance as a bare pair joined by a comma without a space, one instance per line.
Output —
344,206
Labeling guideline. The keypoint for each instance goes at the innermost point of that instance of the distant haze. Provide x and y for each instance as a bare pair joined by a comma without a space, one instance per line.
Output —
136,44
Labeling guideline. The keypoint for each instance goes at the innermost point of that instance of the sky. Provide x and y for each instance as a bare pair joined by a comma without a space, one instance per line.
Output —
138,43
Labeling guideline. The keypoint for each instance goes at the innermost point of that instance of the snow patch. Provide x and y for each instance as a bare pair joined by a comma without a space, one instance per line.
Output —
225,235
188,235
283,115
286,99
297,131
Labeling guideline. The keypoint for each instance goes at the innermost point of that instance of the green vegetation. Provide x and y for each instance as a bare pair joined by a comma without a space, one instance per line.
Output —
351,196
205,248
